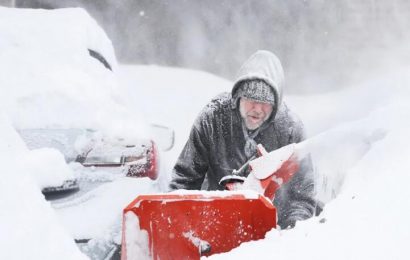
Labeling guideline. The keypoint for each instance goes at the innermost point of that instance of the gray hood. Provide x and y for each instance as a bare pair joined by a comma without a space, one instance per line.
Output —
266,66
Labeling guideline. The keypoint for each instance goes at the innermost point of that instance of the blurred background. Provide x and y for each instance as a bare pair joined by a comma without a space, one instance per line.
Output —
322,44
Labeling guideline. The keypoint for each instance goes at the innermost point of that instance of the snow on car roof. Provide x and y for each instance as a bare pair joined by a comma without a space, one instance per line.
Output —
50,79
66,30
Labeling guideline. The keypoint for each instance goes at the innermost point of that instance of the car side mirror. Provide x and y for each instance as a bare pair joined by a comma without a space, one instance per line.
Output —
163,136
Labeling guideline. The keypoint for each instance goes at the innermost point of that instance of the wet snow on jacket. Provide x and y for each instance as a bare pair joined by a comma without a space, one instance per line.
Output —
216,145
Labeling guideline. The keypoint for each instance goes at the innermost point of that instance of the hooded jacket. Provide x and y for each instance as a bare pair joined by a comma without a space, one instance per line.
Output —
216,145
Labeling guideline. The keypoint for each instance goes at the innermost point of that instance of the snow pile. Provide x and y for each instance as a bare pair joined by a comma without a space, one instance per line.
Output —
363,167
29,227
48,167
137,239
49,79
91,215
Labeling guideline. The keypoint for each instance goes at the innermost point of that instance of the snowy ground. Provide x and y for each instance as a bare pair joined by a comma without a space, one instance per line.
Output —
358,139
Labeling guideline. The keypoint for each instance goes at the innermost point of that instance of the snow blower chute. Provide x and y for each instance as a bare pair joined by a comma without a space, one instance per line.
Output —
191,224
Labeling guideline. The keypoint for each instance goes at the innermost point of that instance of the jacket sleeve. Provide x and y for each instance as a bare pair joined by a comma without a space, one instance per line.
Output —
296,200
192,164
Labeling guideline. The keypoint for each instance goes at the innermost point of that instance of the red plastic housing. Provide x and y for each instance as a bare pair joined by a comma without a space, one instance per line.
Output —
188,226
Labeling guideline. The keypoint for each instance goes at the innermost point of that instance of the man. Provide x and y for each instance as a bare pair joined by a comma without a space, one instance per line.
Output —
227,131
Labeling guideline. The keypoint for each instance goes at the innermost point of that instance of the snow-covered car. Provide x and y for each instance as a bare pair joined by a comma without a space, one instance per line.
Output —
60,66
60,91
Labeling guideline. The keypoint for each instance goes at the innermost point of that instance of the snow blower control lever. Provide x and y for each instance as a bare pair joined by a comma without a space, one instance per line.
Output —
267,172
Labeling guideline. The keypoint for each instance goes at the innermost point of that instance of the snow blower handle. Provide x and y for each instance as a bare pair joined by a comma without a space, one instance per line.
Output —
236,179
232,182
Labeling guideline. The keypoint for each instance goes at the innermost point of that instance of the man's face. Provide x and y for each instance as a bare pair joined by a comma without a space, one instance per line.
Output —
254,113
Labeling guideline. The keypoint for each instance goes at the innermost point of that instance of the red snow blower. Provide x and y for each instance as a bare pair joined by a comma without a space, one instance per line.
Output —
190,224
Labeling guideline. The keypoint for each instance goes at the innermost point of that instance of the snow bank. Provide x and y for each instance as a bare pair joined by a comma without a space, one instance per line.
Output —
364,162
29,227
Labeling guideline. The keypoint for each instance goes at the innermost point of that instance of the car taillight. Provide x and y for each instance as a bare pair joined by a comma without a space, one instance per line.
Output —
143,166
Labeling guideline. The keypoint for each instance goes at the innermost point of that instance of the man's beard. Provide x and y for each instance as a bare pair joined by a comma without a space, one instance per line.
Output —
249,124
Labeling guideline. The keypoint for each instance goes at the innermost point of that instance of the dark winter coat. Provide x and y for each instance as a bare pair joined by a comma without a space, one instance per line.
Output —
216,143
